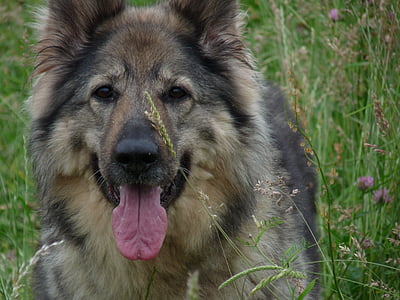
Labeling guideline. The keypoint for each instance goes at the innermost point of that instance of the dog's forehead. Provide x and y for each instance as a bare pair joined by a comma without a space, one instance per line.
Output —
143,39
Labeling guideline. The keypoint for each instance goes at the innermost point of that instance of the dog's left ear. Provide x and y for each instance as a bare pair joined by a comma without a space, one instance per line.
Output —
216,24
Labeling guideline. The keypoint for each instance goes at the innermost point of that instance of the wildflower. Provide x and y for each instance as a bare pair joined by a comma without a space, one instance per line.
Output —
396,240
382,195
367,243
381,121
335,15
365,182
343,250
289,209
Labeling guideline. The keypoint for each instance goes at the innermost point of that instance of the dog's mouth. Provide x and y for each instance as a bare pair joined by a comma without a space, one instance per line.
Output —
139,219
169,192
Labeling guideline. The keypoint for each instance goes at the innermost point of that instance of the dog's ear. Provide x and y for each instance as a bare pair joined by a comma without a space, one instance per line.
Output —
217,24
67,25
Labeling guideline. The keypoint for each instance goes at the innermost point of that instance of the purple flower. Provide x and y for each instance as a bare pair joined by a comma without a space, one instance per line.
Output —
382,195
367,243
365,182
334,15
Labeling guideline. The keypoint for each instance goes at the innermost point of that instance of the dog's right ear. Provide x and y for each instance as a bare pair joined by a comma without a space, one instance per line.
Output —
67,25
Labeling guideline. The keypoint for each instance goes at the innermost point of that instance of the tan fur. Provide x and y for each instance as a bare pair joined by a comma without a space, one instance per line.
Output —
230,125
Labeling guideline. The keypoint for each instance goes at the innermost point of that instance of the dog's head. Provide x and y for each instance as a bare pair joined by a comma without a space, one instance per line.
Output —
139,95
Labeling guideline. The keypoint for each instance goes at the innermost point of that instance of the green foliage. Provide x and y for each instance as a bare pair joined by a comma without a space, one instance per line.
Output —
154,116
342,77
18,222
193,290
280,272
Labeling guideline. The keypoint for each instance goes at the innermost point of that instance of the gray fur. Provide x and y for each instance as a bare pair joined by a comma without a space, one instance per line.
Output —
229,130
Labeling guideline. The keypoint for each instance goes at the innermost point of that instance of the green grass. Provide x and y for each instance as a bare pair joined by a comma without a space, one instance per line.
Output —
338,76
18,221
343,79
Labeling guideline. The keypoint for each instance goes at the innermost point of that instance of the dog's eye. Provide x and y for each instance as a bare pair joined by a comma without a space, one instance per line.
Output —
105,93
177,93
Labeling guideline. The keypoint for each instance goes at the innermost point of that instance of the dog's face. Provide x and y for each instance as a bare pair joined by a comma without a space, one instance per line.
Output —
101,66
132,148
137,169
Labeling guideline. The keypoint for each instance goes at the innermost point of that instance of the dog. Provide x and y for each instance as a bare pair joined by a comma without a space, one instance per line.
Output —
162,158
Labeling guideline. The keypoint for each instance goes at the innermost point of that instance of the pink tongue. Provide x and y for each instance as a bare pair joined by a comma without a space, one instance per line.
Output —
139,222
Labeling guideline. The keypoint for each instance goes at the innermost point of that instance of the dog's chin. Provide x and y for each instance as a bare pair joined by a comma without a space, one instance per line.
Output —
169,192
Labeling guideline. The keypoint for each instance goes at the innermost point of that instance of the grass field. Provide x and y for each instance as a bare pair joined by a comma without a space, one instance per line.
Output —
338,62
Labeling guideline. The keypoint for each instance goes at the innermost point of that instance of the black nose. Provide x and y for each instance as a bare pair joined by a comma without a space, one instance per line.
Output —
136,155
